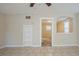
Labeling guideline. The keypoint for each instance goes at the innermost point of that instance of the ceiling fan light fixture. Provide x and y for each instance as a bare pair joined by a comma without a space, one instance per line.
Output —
48,4
32,4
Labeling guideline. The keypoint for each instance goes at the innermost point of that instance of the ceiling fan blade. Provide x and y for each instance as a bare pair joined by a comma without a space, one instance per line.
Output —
32,4
48,4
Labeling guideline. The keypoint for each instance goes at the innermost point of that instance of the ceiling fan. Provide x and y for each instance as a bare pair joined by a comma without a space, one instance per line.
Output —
48,4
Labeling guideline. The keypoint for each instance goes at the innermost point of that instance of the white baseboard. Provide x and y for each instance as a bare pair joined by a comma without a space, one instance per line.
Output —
39,46
21,46
66,45
14,46
36,46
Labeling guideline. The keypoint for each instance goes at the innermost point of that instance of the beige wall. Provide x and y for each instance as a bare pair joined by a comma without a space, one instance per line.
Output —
77,26
14,30
2,30
14,26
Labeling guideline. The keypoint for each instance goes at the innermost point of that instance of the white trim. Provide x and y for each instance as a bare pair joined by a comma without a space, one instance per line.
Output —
21,46
14,46
41,28
35,46
65,45
39,46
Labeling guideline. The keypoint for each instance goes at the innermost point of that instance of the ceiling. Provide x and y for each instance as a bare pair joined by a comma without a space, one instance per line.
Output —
23,8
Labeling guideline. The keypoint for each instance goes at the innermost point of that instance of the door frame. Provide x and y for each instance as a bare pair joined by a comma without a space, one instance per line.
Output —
52,34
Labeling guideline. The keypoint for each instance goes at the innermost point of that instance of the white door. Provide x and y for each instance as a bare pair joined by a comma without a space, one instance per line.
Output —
27,35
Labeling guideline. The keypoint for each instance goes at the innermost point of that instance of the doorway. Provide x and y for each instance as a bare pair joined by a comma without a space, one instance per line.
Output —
46,32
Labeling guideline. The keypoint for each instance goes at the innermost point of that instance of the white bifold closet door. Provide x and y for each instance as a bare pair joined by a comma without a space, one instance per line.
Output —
27,35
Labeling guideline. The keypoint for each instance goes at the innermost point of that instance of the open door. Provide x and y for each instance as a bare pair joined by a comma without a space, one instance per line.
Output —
46,33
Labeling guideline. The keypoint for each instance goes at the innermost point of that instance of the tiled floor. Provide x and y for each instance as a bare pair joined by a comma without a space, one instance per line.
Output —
43,51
